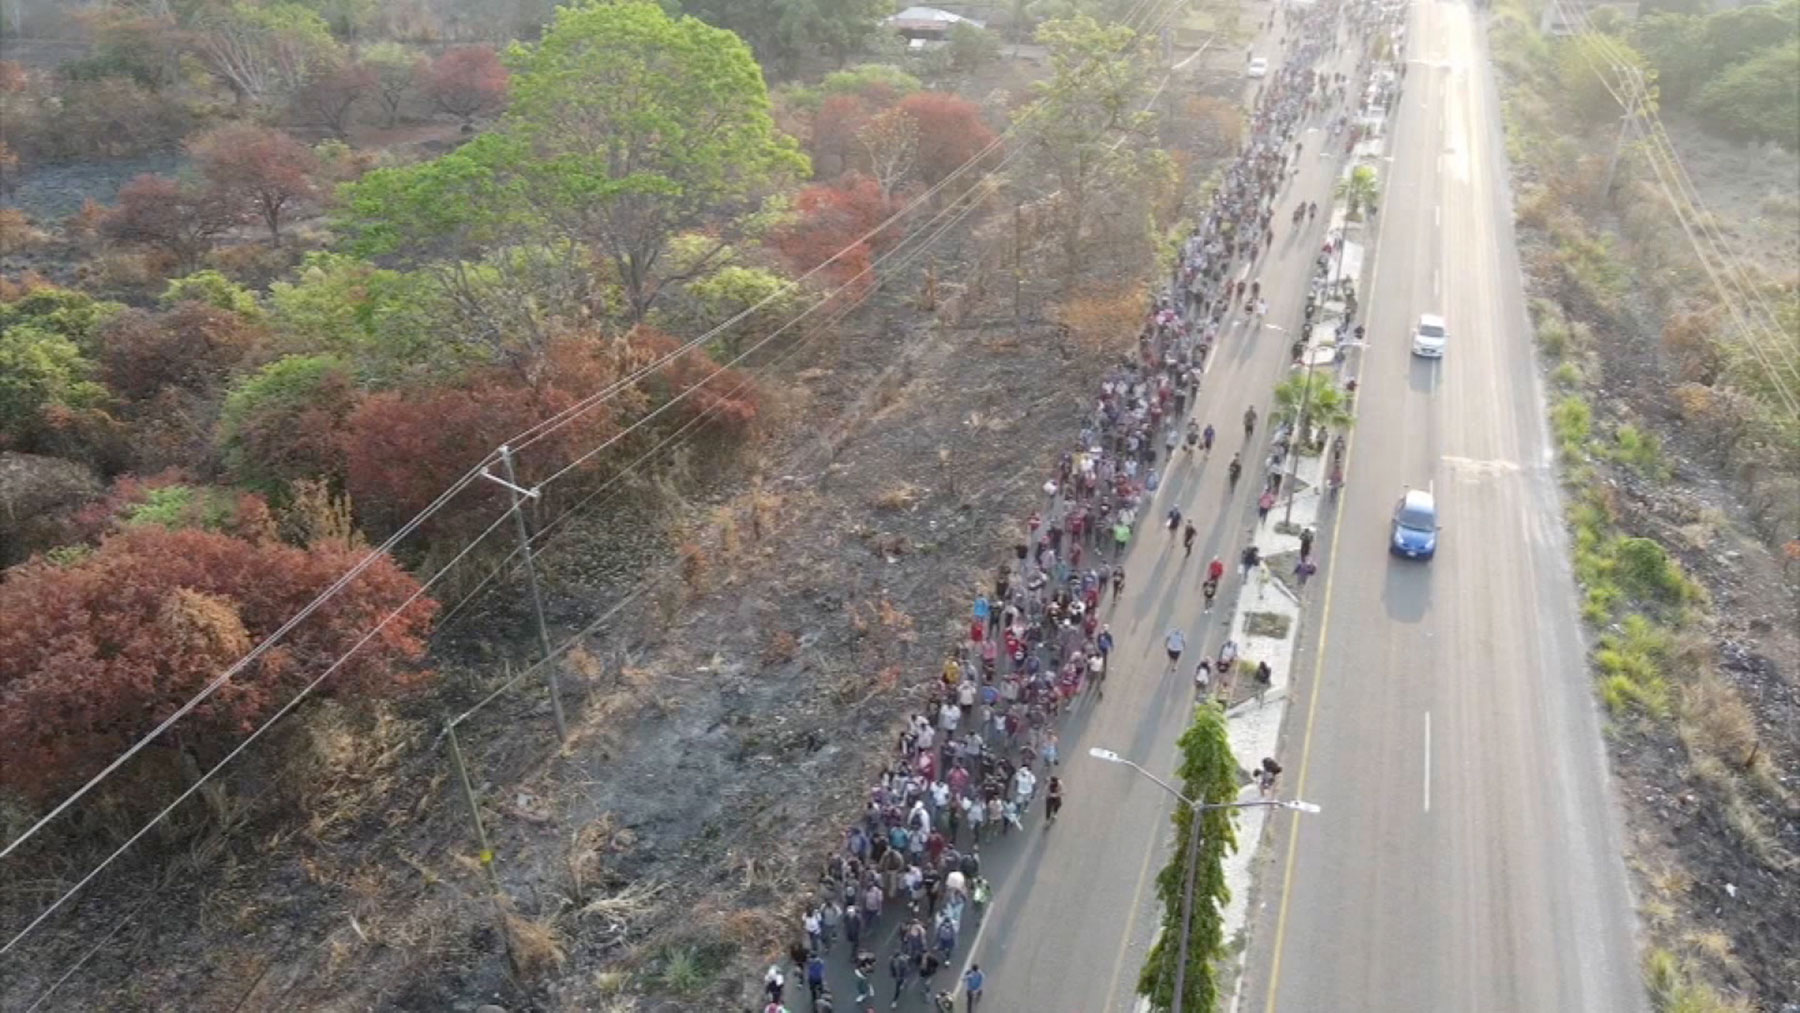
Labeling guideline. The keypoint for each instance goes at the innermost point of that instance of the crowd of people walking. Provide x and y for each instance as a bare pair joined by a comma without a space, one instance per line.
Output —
972,765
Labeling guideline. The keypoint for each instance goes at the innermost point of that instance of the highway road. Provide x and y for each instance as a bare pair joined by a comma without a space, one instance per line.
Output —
1469,853
1075,908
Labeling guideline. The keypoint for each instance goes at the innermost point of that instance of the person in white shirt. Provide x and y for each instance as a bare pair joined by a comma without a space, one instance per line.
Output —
1024,783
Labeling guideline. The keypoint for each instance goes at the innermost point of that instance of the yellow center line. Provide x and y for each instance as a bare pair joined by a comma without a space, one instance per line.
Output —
1312,702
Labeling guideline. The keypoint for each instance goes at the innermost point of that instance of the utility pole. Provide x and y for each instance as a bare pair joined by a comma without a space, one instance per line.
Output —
1187,904
1625,124
519,495
1018,271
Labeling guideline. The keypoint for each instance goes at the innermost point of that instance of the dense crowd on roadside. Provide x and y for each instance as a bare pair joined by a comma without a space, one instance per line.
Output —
980,759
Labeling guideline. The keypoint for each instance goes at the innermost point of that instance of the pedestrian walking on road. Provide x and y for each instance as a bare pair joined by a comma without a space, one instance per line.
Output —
1264,504
1248,559
1304,569
1209,591
1175,643
774,983
1188,535
974,980
1266,775
900,968
928,968
1174,520
1053,799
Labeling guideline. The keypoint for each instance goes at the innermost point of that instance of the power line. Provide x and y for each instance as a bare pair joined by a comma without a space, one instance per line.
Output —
541,429
543,533
468,548
286,708
382,624
1750,332
262,648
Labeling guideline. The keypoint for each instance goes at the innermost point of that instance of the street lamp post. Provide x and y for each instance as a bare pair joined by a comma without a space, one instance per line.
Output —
1193,848
1300,424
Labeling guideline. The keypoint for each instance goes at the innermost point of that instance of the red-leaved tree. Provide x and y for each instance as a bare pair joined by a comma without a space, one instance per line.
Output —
724,399
951,132
832,142
331,93
94,653
467,82
178,218
403,447
193,347
265,172
835,217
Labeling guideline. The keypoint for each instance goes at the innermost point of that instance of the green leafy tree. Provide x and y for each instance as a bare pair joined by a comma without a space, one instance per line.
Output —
1676,45
387,324
1359,191
1585,67
1736,33
397,72
638,126
61,311
1208,775
785,32
1087,128
1312,399
972,48
731,290
46,384
213,289
262,51
1756,100
282,424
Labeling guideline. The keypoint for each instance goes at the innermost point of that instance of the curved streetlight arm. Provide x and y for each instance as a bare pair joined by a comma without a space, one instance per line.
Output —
1261,803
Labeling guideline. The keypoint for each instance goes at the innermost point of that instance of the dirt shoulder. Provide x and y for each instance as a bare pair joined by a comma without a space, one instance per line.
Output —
1697,650
721,723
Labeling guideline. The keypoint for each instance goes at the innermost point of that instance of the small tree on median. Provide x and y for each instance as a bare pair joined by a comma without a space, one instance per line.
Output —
1325,404
1358,192
1209,774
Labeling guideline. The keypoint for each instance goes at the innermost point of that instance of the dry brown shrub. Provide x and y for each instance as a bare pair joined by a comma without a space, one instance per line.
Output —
128,269
345,763
581,661
16,232
725,522
781,647
1715,719
534,945
12,290
1691,338
1104,318
895,620
83,227
694,566
899,497
315,514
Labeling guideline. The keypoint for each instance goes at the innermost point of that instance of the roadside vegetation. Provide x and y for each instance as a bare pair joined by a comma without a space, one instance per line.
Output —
1680,450
374,242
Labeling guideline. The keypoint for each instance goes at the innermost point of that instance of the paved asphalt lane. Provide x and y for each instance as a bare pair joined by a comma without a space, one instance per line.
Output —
1468,855
1073,918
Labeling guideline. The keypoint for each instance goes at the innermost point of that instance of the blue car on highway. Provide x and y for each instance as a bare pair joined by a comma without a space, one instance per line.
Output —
1415,533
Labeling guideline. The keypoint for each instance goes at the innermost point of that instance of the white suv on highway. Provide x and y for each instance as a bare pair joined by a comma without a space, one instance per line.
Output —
1430,336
